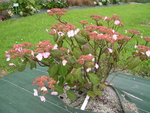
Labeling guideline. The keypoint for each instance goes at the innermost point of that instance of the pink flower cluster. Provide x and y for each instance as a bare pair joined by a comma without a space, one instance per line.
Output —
96,17
19,50
147,39
84,58
115,18
56,11
134,32
43,80
83,22
60,28
111,38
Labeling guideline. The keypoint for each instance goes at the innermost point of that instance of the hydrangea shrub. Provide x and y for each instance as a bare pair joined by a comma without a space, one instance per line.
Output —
92,52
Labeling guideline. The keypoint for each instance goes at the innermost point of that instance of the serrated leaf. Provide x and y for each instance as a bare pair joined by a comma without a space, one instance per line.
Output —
81,40
63,70
53,70
71,95
94,78
77,52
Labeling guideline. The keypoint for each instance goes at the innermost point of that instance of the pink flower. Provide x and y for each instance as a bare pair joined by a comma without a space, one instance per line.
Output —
64,62
54,93
43,99
11,64
35,92
117,22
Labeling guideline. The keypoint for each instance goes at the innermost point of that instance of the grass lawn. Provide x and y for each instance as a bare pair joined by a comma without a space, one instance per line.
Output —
32,28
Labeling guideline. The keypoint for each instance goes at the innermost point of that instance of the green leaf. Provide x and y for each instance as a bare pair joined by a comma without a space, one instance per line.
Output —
77,52
91,94
87,49
98,92
71,95
32,1
21,67
53,70
59,89
63,70
94,78
56,53
81,40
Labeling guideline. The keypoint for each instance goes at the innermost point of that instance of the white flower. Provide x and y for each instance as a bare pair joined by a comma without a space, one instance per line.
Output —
135,46
95,2
70,33
96,66
54,93
117,22
43,89
141,36
49,11
32,53
110,50
115,37
46,54
88,69
105,18
93,59
143,53
8,59
35,92
113,31
90,54
55,47
148,53
64,62
46,30
43,99
39,56
126,31
76,31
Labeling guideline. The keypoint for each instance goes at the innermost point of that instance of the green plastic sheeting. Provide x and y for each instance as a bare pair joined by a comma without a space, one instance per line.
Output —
16,93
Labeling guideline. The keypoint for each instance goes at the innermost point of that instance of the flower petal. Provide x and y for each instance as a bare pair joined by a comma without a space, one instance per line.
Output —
39,56
35,92
64,62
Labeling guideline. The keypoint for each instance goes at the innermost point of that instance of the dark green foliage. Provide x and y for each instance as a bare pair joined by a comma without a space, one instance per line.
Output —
48,4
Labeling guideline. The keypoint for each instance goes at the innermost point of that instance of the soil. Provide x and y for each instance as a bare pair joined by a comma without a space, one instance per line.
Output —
107,103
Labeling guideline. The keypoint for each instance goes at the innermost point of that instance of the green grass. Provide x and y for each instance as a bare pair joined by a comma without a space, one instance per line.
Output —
32,28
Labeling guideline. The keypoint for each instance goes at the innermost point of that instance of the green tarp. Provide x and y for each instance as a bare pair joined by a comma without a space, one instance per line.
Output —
16,93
